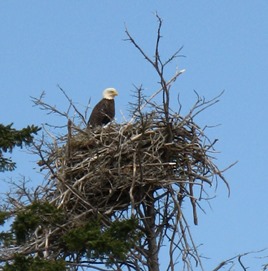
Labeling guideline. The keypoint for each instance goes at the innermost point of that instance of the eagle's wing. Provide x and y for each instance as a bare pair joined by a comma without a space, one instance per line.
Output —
102,113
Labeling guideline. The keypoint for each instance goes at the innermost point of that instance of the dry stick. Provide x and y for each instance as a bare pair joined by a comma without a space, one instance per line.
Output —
44,106
172,243
193,202
69,125
139,48
155,63
157,57
180,219
133,186
173,79
239,256
187,227
72,104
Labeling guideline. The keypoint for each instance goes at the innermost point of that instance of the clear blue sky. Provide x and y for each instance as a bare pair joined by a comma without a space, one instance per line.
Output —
80,45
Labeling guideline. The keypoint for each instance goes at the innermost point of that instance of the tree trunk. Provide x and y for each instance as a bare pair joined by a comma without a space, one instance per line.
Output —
153,263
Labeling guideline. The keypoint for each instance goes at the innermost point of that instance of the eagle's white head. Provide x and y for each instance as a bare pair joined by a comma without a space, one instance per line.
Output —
110,93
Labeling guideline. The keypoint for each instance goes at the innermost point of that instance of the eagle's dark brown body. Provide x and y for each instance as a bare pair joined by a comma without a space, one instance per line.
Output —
102,113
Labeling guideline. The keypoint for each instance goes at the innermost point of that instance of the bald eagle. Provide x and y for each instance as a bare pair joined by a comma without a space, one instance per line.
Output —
104,110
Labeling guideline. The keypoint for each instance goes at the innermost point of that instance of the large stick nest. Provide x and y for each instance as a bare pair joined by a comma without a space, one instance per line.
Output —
115,167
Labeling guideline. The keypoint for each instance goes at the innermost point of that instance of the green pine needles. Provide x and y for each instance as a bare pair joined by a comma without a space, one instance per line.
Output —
10,138
94,241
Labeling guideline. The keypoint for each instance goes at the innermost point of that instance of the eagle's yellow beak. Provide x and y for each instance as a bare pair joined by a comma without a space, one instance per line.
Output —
110,93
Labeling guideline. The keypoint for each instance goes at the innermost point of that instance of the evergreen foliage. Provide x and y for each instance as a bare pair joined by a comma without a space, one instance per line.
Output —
10,138
38,214
3,216
94,241
5,237
22,263
91,240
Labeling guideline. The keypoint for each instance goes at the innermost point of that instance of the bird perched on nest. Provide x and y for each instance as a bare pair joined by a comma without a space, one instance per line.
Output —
104,110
